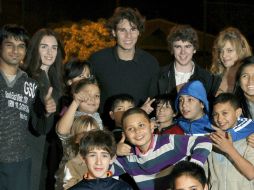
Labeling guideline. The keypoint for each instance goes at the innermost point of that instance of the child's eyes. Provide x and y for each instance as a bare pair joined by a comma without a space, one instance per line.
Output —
105,156
225,113
91,155
130,129
141,125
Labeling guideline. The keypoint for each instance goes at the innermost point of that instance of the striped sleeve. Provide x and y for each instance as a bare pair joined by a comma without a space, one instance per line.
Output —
242,130
199,148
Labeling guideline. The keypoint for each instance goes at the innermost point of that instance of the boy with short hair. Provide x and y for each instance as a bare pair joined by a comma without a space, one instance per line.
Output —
120,103
98,149
183,44
230,165
193,105
153,155
165,115
188,175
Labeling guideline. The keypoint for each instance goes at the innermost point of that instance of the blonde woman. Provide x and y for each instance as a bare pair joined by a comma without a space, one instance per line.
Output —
230,47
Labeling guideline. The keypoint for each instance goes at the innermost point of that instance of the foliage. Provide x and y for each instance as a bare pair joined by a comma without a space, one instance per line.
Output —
84,38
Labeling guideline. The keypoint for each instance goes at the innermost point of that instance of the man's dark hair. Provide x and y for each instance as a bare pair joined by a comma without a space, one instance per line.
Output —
182,32
130,14
15,31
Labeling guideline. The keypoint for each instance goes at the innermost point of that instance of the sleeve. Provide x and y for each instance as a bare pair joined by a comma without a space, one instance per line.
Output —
117,168
38,120
70,178
199,148
39,123
244,128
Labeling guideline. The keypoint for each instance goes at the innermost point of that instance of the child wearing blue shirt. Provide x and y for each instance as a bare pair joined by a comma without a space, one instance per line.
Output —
193,105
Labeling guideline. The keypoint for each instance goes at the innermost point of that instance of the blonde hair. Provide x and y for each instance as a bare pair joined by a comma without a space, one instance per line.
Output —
237,40
81,125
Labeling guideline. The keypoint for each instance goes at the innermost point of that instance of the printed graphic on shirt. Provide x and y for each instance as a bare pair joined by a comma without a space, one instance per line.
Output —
21,101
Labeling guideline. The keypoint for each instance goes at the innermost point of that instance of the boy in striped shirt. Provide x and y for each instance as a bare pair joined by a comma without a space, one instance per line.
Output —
152,156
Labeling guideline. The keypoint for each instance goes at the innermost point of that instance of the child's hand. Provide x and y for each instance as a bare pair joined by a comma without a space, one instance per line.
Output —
222,140
50,105
147,106
123,149
250,140
80,97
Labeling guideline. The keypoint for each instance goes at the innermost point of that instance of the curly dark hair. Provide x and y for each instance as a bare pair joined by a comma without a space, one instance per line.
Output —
184,33
132,15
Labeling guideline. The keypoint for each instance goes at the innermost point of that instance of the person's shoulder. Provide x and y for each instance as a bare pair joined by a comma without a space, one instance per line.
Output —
27,79
102,52
81,185
145,54
166,68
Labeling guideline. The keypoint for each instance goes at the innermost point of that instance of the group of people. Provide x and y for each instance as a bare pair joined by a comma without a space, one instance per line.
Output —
176,127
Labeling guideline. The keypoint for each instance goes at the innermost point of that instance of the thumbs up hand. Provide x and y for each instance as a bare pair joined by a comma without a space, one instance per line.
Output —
123,149
50,105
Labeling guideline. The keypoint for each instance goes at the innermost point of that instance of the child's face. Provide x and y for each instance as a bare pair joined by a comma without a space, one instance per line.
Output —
247,81
138,131
164,112
98,161
191,108
118,111
85,74
186,182
225,116
92,100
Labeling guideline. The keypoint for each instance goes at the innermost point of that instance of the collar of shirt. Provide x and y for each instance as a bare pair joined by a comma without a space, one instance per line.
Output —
138,151
135,59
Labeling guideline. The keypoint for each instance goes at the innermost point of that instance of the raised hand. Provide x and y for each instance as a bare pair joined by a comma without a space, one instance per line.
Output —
123,149
50,104
147,106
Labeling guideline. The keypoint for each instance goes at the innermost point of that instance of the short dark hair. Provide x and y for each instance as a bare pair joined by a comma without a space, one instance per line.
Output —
135,110
167,99
227,97
188,169
101,139
132,15
182,32
116,99
82,83
15,31
74,67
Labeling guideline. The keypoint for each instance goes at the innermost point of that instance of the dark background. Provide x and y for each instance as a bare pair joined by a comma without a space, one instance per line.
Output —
206,15
209,16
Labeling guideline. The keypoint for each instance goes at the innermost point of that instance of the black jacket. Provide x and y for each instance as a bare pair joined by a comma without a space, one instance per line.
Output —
167,83
108,183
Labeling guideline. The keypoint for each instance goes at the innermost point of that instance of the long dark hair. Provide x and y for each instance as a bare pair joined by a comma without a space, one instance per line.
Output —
33,61
238,90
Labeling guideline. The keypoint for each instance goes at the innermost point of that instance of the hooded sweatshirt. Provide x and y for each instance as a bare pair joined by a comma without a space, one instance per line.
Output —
203,126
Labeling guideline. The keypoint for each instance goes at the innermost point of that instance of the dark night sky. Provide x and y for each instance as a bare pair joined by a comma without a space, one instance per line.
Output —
206,15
